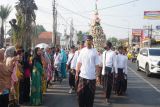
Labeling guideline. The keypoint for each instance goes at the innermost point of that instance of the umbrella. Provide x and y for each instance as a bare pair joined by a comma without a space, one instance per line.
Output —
42,45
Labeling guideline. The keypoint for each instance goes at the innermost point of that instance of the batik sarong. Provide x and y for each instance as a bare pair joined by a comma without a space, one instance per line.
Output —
86,91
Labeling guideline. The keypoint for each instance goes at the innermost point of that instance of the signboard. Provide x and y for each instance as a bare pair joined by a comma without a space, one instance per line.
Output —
145,34
158,27
157,38
136,35
136,32
154,15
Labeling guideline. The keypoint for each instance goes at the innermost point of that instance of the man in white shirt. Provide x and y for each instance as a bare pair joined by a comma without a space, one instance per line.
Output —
109,62
70,68
121,72
81,46
87,65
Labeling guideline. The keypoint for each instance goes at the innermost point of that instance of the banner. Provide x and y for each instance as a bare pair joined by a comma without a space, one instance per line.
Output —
137,32
158,27
154,15
136,35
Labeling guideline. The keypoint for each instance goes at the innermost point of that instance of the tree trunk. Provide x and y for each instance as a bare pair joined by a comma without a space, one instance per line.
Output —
2,36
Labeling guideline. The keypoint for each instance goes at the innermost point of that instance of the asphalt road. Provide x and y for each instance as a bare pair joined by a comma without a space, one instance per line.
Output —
142,92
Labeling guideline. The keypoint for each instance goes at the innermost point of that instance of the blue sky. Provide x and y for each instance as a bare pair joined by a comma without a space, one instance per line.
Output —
130,15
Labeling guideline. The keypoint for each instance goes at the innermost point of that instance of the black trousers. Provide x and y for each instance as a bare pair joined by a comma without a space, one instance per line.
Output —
108,82
4,100
71,80
26,90
21,91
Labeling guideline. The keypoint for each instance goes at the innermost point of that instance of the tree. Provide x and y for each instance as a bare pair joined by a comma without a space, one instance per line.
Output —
4,13
80,36
38,30
113,40
25,19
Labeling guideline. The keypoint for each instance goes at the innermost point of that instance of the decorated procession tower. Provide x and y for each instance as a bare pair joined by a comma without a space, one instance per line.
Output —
99,38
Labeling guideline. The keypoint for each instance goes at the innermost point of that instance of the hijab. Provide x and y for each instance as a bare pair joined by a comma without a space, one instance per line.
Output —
64,56
36,57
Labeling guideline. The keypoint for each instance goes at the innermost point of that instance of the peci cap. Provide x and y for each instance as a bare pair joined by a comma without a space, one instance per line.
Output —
73,47
89,37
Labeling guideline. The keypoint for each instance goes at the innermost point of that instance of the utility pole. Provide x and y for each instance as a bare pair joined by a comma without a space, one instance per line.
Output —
71,33
54,34
150,35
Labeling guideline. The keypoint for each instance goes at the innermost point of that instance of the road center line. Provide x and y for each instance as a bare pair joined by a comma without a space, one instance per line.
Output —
145,80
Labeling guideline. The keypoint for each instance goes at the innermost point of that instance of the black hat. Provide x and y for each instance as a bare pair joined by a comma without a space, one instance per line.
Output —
89,37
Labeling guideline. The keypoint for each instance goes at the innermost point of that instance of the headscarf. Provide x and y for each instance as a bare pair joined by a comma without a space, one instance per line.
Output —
2,54
63,56
36,57
10,52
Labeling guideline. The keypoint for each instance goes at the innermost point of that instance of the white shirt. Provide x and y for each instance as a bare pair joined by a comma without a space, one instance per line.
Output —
122,62
89,59
57,59
70,57
100,60
109,60
75,59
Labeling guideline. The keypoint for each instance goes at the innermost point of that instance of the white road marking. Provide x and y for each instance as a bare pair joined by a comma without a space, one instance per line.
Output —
145,80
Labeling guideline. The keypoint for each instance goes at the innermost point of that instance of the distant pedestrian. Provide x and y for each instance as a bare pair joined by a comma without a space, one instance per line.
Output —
57,64
87,65
70,65
63,63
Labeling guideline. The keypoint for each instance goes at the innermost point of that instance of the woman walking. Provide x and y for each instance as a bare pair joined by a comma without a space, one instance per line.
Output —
5,81
63,63
37,72
27,75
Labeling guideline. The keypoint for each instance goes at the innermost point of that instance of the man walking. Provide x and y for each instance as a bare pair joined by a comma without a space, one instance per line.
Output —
81,46
109,62
69,67
87,65
122,72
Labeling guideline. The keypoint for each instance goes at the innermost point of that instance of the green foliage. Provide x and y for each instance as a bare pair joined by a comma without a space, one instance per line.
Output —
38,30
4,13
80,36
113,40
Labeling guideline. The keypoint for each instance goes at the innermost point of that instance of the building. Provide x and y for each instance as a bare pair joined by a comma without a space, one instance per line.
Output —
46,37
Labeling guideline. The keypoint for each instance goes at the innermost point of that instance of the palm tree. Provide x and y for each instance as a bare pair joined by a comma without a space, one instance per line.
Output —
4,13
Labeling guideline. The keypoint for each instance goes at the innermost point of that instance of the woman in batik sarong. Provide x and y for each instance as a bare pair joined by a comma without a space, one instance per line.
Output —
37,73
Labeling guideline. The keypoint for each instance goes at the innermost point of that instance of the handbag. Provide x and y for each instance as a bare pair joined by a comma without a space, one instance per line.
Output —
69,64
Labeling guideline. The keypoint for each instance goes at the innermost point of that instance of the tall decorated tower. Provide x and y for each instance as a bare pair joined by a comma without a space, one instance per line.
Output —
96,31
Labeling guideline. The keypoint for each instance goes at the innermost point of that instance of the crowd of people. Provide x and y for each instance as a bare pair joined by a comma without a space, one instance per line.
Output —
26,75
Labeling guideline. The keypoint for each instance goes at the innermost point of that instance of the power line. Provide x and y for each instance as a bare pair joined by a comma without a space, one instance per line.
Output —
115,26
117,5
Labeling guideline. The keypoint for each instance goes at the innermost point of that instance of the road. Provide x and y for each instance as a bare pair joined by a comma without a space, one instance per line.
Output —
142,92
